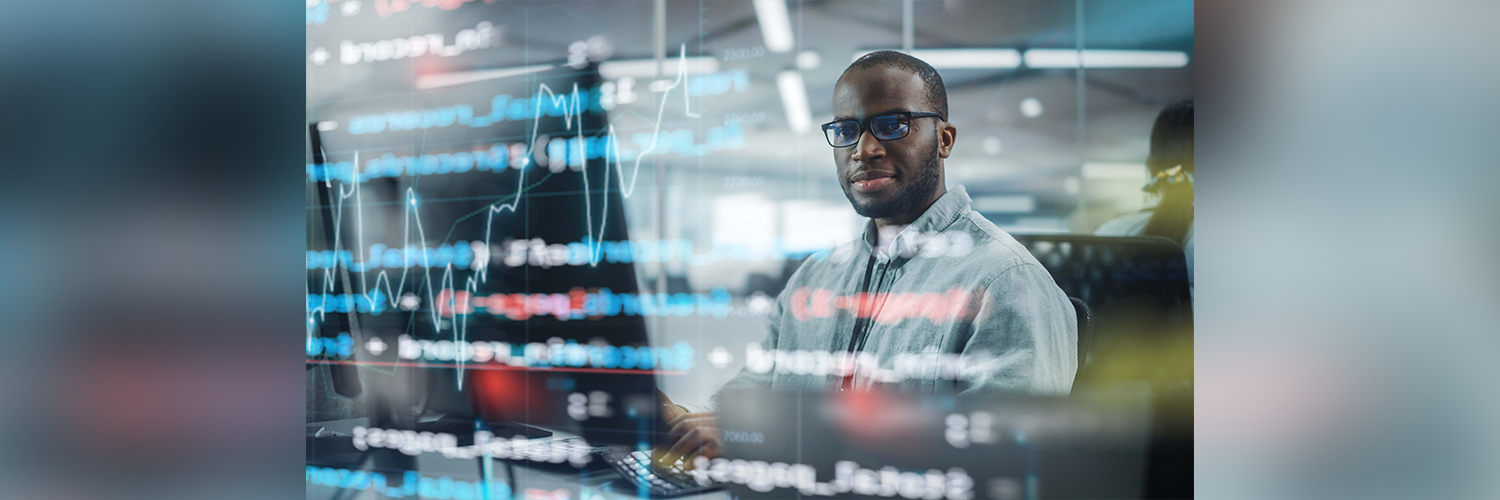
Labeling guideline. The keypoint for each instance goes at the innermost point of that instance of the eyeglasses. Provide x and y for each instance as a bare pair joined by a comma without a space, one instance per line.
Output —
886,127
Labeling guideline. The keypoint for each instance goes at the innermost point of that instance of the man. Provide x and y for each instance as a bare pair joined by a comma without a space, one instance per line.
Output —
891,309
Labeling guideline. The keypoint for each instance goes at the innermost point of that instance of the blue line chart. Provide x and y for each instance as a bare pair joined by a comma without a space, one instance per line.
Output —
371,291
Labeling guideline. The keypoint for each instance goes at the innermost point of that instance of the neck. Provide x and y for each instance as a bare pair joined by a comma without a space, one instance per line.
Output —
908,217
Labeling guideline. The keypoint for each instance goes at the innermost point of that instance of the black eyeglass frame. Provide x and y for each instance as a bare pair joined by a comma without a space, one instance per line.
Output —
865,125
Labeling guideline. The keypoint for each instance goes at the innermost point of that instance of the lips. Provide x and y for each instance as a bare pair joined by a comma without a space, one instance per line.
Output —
872,185
869,182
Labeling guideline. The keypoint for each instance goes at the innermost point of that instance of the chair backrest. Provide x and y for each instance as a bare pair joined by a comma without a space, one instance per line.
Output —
1104,271
1085,329
1128,291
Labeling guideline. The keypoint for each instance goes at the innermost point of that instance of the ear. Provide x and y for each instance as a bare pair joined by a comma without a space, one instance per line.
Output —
947,135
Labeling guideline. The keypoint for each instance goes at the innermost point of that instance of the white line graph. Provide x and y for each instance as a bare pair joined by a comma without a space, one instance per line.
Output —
571,103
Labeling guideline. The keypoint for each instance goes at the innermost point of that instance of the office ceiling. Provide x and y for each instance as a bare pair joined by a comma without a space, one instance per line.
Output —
1036,155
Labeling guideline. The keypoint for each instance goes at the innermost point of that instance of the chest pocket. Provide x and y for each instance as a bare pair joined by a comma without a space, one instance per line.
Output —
915,350
911,332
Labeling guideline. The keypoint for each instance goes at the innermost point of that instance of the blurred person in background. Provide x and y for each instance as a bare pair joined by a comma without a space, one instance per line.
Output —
1002,314
1171,184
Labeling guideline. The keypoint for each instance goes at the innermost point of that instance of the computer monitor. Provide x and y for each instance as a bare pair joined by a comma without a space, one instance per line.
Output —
466,233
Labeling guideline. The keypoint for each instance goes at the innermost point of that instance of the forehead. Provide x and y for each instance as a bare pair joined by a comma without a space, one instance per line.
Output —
877,89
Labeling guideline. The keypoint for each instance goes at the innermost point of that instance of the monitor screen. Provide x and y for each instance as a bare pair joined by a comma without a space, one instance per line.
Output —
465,260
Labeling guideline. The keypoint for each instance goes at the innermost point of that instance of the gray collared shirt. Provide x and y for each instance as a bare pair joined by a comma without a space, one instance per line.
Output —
954,304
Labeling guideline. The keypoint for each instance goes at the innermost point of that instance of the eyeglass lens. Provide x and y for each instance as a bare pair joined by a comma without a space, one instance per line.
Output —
884,127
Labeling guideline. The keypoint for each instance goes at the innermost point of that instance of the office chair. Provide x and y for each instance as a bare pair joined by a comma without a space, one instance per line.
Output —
1085,332
1104,270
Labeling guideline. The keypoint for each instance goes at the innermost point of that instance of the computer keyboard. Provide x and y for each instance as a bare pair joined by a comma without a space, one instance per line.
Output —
658,480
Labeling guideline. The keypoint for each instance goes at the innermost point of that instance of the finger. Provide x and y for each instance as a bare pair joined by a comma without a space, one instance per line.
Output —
682,424
681,427
671,412
699,414
687,415
710,447
689,442
675,430
662,452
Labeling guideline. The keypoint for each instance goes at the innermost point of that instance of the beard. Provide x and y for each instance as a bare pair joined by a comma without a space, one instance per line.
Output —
908,196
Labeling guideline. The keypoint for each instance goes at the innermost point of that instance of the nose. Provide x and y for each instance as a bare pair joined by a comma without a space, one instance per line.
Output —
868,148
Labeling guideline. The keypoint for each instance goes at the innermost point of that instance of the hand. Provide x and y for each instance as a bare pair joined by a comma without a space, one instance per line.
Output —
691,435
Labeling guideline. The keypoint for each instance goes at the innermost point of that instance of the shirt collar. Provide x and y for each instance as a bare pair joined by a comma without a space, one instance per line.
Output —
943,213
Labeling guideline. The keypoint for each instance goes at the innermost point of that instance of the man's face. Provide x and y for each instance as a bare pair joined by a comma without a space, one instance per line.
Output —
891,178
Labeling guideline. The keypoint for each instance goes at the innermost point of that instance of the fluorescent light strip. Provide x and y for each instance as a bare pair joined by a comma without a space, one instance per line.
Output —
433,81
1068,58
1013,204
1116,171
970,58
794,99
964,58
646,68
775,24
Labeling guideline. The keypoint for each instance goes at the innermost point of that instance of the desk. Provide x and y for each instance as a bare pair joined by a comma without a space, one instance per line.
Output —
333,461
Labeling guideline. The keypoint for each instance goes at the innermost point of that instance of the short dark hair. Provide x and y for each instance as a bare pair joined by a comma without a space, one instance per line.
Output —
1172,138
1172,145
935,94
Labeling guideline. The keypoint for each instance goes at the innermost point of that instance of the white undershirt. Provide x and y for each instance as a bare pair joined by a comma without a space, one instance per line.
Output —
885,236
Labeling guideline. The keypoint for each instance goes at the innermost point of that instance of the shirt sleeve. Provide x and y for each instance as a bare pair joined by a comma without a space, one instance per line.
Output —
1024,337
